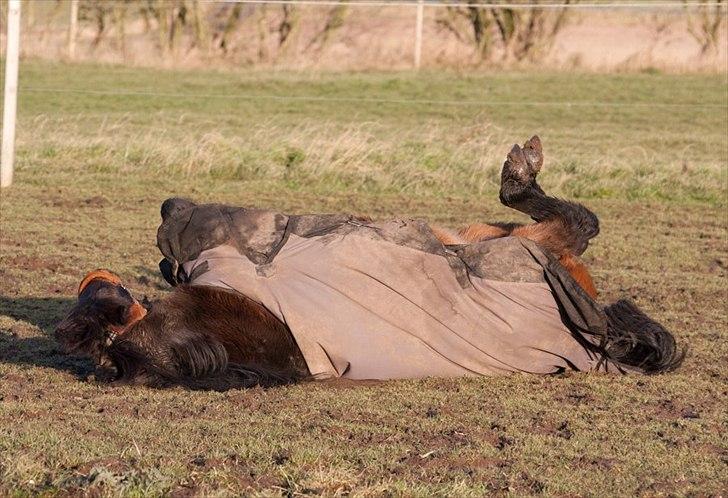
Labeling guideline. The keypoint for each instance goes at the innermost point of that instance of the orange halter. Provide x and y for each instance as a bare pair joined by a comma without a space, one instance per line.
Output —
136,310
99,274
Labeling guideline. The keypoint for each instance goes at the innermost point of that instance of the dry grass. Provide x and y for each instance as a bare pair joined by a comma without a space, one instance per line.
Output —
432,160
92,172
320,155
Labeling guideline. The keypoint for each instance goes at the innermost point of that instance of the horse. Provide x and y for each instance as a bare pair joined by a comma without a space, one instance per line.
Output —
203,337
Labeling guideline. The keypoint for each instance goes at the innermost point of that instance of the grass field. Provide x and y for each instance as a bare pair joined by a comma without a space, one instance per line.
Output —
92,169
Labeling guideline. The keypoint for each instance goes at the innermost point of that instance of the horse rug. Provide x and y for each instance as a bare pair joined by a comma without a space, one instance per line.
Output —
385,300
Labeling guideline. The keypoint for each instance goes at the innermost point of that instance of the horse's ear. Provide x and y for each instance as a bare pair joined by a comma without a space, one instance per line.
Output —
168,269
174,205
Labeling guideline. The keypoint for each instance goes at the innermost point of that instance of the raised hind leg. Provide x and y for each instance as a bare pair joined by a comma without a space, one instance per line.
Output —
568,226
562,227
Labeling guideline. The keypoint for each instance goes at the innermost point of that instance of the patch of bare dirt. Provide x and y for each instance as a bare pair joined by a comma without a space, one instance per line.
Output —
32,263
553,429
600,463
520,484
236,469
96,201
669,409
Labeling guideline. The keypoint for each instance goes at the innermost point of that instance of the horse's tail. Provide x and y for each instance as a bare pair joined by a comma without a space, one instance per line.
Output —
635,340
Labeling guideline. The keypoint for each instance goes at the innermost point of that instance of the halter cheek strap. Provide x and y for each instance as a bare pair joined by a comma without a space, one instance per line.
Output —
136,313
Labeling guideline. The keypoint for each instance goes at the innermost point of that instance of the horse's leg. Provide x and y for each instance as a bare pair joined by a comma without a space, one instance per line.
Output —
561,226
447,236
579,272
482,231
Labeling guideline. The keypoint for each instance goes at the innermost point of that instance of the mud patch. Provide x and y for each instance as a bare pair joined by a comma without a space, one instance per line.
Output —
555,429
668,409
96,201
31,263
237,471
601,463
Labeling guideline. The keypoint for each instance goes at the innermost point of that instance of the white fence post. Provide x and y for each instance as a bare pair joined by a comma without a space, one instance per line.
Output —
418,33
11,94
72,30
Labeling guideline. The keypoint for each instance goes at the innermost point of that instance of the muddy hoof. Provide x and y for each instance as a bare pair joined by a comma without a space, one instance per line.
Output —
523,164
516,168
533,152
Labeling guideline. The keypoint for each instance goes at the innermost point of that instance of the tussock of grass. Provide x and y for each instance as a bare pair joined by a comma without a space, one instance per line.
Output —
362,158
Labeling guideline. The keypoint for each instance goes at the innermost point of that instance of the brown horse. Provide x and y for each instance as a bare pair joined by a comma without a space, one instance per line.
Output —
211,338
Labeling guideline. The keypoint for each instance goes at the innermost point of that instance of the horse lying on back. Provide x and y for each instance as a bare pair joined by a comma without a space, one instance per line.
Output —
266,299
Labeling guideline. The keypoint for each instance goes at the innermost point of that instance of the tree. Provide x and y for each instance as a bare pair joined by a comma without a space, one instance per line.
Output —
514,33
704,24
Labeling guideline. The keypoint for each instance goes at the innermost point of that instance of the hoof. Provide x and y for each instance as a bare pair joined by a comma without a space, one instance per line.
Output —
516,167
534,154
523,164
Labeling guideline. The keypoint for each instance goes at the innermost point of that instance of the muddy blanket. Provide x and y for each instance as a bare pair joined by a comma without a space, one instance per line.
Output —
382,300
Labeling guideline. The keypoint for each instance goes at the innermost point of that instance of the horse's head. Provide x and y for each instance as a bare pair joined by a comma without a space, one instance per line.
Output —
105,309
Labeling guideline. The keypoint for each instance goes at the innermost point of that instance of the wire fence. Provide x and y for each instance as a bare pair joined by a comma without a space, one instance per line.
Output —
376,100
483,6
464,101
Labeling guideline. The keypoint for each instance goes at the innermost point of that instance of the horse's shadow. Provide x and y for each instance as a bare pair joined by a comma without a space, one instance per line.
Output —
17,348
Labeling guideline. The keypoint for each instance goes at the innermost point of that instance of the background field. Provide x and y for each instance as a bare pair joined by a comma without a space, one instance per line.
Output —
648,152
350,38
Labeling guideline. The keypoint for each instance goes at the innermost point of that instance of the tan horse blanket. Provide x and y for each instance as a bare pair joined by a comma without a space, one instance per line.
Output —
384,300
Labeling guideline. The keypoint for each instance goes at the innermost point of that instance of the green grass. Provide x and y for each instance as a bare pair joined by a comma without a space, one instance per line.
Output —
93,169
244,126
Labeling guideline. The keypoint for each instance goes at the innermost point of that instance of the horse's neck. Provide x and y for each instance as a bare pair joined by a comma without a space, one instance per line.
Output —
249,333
